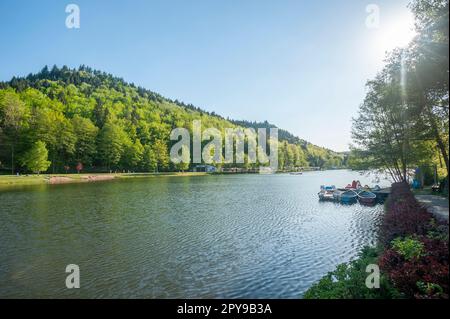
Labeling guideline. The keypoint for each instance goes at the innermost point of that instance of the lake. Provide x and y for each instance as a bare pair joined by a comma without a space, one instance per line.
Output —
217,236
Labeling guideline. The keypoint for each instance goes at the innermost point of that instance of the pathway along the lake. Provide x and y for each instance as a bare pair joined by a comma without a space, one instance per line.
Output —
436,205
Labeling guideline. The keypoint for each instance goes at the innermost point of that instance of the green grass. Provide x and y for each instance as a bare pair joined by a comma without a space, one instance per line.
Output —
427,191
34,179
21,180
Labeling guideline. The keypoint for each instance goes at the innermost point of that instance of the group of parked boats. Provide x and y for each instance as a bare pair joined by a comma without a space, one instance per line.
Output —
351,193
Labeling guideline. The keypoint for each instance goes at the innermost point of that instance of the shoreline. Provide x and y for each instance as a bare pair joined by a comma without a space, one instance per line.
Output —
11,181
8,181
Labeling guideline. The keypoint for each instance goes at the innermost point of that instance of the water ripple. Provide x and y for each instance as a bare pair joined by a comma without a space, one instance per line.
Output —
239,236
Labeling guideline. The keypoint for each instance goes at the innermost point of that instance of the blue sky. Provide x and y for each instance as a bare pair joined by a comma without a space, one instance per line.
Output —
301,65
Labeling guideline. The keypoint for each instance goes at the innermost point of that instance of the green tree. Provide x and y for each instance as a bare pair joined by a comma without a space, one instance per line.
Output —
53,128
162,155
86,134
111,144
406,106
13,119
185,159
36,158
149,159
428,83
133,155
69,109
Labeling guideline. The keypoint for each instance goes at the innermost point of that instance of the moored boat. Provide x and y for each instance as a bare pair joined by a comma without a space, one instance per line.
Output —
348,196
327,193
366,197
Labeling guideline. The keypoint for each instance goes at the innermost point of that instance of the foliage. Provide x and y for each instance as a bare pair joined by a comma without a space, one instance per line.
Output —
423,276
36,158
404,119
416,247
409,248
348,281
413,257
404,216
90,117
149,160
184,163
86,134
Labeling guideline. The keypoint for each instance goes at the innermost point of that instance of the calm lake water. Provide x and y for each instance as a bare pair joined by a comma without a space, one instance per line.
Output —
234,236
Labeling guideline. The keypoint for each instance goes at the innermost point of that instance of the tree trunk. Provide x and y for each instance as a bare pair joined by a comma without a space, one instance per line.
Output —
440,143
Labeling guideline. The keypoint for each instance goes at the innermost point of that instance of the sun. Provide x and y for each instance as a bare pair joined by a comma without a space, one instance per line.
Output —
395,32
399,33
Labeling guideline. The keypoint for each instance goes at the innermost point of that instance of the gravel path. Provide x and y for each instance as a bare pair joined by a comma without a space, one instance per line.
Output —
435,204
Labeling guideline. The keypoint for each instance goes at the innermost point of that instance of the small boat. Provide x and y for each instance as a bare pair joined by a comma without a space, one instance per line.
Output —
366,197
326,196
337,194
348,196
327,193
295,173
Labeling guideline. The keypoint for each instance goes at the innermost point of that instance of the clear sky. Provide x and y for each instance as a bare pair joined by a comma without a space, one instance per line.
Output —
301,65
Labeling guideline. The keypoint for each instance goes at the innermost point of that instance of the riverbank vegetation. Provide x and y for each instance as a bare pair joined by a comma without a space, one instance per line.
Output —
87,120
403,122
416,256
412,255
7,181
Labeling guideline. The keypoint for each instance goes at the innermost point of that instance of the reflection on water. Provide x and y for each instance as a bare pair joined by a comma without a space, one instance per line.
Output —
246,236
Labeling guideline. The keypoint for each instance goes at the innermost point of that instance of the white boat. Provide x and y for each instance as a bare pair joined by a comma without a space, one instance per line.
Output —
327,193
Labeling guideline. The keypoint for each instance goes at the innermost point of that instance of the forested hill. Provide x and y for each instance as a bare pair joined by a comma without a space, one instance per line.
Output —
90,117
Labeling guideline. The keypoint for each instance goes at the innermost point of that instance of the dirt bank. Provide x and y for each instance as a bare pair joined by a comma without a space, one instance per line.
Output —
89,178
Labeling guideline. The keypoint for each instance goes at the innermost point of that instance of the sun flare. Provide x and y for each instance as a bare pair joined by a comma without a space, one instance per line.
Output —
394,33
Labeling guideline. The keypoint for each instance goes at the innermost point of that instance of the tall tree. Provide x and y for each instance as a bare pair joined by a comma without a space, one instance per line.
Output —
149,159
185,159
429,81
13,119
133,155
86,135
162,154
36,158
111,144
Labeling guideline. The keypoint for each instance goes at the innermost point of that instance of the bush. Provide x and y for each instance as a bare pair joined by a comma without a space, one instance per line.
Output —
348,281
404,215
422,276
416,256
409,248
414,264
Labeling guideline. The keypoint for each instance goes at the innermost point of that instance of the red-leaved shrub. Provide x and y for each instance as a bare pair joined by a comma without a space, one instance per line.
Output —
427,274
431,269
404,215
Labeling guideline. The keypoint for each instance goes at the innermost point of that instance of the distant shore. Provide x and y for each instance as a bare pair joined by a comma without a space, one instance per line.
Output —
34,179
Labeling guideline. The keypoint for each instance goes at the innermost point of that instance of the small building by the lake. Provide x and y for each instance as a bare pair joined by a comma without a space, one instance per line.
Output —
205,168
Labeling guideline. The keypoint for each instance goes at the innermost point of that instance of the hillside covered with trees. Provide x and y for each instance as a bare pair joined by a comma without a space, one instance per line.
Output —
62,120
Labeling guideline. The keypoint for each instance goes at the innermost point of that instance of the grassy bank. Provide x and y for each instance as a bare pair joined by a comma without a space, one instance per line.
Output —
23,180
428,191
